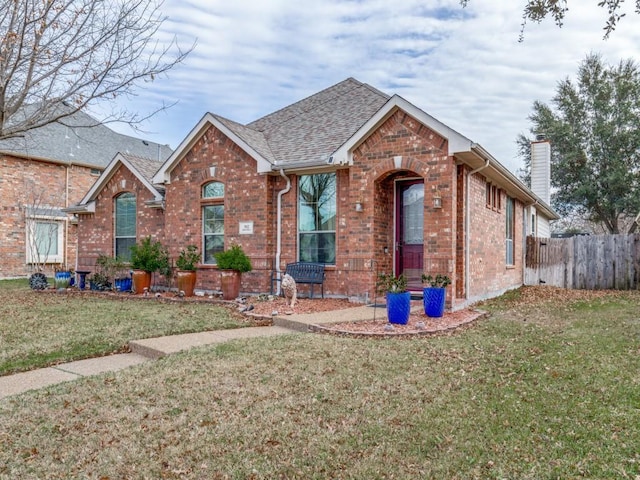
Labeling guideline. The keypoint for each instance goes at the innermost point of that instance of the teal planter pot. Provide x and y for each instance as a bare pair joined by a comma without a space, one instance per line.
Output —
433,299
62,279
398,307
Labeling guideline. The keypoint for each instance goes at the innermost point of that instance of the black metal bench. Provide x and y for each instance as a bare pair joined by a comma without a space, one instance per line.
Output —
303,272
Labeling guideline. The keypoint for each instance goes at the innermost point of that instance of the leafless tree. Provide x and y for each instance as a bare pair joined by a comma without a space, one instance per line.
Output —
45,225
77,53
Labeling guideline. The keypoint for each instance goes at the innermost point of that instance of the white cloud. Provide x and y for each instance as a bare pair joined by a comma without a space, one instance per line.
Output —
464,67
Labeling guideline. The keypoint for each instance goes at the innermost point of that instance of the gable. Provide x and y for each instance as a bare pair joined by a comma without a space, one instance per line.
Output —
140,168
230,129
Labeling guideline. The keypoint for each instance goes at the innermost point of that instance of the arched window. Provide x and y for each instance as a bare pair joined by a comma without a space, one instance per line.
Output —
125,225
212,220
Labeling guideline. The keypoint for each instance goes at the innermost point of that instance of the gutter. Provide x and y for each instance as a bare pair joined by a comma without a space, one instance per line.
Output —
467,227
279,228
515,182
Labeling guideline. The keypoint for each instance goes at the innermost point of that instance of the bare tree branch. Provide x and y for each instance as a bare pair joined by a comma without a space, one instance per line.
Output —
538,10
77,53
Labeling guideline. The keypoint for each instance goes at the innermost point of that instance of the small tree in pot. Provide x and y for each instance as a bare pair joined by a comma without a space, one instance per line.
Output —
187,264
398,298
147,257
232,263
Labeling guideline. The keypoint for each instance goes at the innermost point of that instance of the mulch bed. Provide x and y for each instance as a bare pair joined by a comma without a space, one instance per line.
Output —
418,324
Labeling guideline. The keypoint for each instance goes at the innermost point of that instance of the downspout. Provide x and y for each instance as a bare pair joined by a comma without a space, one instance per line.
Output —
65,256
279,228
467,227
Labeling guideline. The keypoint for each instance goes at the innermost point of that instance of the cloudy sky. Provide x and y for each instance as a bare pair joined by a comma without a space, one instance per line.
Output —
463,66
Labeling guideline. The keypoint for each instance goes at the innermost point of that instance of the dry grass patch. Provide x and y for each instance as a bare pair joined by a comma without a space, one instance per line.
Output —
44,328
506,398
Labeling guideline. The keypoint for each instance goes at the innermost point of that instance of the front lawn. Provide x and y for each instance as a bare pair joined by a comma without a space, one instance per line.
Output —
546,387
44,328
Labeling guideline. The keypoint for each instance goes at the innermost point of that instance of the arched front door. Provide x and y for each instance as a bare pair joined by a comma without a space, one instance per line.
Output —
410,231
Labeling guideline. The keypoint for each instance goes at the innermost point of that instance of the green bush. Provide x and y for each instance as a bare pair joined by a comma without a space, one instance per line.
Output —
233,258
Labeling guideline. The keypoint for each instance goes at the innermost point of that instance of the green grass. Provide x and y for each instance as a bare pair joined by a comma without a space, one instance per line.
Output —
547,387
38,329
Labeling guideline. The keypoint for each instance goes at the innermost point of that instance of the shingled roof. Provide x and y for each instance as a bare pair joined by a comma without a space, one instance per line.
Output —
313,128
81,140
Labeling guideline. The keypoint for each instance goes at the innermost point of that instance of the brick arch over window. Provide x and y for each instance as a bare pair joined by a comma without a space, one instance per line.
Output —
125,221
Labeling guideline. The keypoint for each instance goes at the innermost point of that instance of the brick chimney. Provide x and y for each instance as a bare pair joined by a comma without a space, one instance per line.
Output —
541,168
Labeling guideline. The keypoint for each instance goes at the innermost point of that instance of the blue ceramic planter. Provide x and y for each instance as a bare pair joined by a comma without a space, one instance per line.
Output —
433,300
398,307
122,284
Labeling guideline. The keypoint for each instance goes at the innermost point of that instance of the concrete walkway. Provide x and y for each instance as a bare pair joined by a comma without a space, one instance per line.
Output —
153,348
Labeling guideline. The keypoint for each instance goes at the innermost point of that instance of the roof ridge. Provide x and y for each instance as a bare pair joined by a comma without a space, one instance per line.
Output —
317,94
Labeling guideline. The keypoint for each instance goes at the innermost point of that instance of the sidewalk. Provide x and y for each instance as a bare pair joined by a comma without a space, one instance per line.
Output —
153,348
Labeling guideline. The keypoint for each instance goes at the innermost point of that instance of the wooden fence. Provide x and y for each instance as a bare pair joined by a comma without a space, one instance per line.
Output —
587,262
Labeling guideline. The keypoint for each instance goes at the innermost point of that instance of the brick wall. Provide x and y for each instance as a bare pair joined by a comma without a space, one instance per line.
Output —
249,197
488,270
95,231
30,183
419,153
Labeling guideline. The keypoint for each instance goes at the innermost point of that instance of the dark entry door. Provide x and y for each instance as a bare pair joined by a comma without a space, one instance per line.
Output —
410,231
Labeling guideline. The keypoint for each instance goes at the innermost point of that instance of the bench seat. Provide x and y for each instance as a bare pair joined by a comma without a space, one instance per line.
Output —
303,273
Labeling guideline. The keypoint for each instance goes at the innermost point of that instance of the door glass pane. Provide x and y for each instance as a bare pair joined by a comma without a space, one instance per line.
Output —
413,214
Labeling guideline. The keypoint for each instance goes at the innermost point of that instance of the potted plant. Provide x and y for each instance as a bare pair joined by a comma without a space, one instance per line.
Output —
146,257
434,294
398,298
111,273
187,263
232,263
62,278
121,275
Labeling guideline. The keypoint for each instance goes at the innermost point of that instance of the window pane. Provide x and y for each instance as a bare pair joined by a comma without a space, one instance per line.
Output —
126,215
123,248
509,228
318,247
317,218
317,201
212,245
213,190
213,218
213,231
46,238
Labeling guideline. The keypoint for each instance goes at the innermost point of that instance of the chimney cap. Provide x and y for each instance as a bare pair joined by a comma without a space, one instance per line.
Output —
540,137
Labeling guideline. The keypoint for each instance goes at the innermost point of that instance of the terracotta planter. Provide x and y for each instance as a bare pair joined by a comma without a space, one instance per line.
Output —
230,281
186,281
141,280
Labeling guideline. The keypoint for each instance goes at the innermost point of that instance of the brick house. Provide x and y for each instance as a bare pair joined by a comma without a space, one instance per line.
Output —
350,177
41,173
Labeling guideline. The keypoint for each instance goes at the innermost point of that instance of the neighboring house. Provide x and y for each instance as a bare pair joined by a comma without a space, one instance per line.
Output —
350,177
44,171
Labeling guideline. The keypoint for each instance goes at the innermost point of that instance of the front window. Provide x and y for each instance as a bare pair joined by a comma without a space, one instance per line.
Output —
125,225
212,220
317,218
509,230
44,241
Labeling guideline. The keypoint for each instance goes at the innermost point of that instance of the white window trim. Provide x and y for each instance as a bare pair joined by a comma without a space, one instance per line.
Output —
29,231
